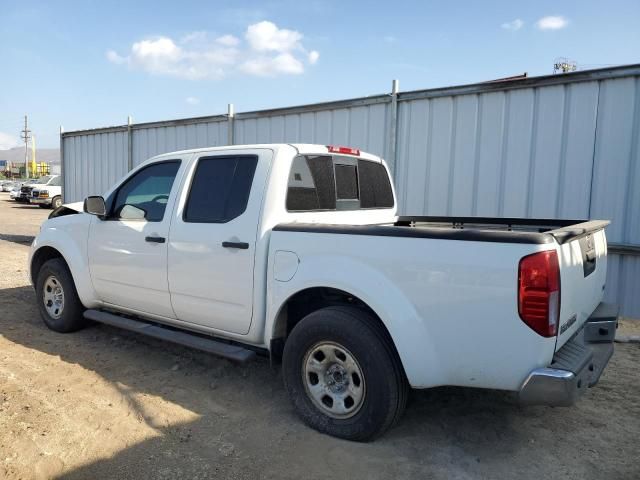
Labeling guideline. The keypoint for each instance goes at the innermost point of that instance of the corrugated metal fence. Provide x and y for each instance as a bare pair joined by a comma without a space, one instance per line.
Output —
558,146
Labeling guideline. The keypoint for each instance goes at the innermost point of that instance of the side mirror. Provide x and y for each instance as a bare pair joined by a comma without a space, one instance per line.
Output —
95,206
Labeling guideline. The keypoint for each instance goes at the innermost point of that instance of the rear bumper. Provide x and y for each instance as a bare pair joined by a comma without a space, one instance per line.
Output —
577,365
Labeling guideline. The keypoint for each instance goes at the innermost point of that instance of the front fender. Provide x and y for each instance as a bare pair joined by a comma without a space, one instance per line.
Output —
408,331
68,235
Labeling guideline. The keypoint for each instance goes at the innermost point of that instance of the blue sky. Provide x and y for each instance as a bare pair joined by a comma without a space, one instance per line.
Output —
88,64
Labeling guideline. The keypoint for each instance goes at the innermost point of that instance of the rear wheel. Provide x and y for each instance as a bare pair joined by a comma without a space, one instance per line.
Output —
343,374
58,302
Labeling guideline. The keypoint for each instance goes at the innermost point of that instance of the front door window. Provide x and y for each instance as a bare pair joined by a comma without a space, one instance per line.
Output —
144,196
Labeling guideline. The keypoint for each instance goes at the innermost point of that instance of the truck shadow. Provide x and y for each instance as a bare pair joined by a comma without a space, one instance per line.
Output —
26,207
245,424
21,239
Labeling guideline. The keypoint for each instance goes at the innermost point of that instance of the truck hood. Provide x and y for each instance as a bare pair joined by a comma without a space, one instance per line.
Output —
68,209
77,206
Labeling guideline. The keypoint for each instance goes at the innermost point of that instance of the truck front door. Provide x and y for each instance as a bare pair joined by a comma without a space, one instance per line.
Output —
128,249
212,243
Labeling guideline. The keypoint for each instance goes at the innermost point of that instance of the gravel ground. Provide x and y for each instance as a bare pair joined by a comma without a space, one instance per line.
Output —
104,403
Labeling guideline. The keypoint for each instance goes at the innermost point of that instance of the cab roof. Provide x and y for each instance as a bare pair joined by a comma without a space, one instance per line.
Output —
302,148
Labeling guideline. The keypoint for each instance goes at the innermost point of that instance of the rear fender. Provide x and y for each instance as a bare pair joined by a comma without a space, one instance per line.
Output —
407,330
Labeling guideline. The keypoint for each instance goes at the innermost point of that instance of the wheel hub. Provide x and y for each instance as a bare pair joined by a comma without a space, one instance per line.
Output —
337,378
53,297
333,380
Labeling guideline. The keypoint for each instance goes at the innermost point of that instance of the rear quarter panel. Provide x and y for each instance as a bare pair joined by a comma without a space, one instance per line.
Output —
450,306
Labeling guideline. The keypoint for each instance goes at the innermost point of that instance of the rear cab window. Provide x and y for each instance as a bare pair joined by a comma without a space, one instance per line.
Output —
336,182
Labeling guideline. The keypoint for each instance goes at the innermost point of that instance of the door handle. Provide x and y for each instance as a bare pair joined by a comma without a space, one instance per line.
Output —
239,245
154,239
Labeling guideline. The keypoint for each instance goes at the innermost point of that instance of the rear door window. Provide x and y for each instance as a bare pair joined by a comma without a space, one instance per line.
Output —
220,188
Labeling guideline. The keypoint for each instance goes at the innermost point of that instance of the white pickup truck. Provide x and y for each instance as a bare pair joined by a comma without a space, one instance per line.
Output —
46,192
296,252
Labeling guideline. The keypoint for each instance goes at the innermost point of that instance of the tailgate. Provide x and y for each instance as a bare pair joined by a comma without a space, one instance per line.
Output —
583,272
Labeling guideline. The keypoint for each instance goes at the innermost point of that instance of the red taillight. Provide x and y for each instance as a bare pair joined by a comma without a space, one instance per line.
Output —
347,150
539,292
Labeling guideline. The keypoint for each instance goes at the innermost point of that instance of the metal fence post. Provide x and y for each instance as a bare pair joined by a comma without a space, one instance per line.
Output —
62,161
129,144
230,118
393,128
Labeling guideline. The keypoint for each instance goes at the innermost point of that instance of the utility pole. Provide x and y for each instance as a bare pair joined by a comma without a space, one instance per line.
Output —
26,135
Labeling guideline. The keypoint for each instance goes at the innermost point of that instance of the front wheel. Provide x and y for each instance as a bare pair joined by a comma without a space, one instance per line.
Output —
58,302
343,374
56,202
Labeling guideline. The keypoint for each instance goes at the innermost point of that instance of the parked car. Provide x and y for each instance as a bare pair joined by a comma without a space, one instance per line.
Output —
7,186
25,190
297,252
14,193
47,193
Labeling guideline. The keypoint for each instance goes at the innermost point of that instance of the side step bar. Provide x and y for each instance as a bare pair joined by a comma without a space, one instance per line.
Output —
226,350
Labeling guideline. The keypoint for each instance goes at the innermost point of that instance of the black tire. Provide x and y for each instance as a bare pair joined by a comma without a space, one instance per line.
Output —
70,316
386,388
56,202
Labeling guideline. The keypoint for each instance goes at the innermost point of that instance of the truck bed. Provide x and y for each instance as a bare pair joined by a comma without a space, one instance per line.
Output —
461,296
480,229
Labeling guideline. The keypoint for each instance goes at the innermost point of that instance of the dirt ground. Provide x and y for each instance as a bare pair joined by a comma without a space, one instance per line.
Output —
104,403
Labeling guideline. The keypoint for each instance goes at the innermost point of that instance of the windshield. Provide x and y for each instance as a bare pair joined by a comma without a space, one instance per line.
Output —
43,180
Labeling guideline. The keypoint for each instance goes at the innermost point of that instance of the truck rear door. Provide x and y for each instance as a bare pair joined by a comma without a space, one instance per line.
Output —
212,242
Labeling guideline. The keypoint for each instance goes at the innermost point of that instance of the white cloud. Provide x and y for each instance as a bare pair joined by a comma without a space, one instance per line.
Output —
228,40
162,56
513,25
268,67
8,141
552,22
266,36
192,100
157,56
113,57
268,51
